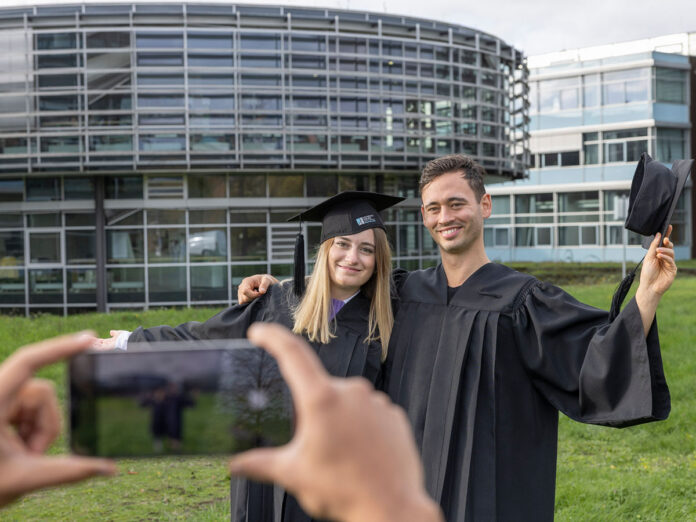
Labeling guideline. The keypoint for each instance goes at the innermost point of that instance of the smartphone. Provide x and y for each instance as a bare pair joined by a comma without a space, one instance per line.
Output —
177,398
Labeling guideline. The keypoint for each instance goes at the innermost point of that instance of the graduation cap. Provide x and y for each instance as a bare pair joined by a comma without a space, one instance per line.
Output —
655,191
344,214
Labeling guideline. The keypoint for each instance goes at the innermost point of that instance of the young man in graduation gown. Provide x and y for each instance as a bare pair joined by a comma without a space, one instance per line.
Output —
483,358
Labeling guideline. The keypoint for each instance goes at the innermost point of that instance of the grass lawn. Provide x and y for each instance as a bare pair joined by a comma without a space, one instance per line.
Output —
641,473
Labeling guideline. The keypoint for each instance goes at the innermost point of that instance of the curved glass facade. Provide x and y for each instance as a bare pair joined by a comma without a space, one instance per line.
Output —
180,112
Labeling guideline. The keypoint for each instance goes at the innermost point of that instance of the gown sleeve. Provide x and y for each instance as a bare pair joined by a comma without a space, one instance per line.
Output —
593,370
231,323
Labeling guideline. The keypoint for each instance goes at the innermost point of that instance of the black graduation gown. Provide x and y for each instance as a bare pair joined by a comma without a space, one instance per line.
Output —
345,355
482,379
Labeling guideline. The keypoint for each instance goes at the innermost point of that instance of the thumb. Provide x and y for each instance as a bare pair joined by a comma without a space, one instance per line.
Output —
263,464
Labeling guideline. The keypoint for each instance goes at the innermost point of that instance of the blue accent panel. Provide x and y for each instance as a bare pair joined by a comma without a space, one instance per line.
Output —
619,172
670,57
562,175
557,120
671,112
627,112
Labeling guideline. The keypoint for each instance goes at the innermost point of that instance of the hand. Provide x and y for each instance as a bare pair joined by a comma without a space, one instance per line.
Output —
659,269
353,455
254,286
109,343
30,421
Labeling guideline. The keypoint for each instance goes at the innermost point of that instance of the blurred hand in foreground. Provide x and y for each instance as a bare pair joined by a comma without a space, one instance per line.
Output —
108,343
30,422
353,456
254,286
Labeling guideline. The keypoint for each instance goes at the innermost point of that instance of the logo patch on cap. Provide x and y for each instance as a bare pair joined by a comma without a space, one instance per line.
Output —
365,220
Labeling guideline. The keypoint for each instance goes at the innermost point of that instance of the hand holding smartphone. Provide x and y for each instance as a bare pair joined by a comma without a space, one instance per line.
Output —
175,398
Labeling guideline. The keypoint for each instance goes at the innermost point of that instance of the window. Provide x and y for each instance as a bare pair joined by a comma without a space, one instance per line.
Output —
630,85
670,145
670,85
557,95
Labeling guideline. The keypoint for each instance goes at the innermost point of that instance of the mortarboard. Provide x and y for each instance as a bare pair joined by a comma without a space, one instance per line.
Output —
344,214
655,191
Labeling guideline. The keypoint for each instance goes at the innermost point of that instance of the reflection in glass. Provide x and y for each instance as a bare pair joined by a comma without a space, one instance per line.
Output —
79,247
166,217
11,248
209,283
285,185
124,246
11,190
124,187
200,217
212,186
207,244
11,286
45,247
166,245
82,285
167,283
46,286
125,285
248,243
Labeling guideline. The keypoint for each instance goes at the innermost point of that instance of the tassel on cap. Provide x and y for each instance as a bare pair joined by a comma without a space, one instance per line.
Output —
299,263
621,292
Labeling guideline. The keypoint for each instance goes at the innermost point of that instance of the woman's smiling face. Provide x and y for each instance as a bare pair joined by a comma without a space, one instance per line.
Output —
351,263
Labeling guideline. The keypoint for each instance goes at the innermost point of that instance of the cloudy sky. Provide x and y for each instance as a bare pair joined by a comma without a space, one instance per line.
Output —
535,26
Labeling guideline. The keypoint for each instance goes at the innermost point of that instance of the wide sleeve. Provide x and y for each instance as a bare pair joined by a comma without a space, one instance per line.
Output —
589,368
231,323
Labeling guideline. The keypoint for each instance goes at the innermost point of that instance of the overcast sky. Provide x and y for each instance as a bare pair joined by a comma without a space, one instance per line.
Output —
534,26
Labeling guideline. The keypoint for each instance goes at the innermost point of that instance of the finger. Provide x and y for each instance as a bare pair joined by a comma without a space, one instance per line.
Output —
36,414
263,464
22,364
652,250
299,365
669,233
29,472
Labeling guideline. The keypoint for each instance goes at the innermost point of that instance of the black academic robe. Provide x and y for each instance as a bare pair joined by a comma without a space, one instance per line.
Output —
345,355
483,377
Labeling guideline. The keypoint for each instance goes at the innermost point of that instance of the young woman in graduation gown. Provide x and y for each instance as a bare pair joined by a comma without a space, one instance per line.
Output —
345,313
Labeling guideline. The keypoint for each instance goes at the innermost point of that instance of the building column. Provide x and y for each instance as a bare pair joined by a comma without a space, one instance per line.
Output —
100,242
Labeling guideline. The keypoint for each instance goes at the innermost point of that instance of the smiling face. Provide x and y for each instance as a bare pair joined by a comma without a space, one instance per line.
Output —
452,214
351,263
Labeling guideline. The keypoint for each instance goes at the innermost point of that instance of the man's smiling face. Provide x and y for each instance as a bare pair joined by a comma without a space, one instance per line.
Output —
452,214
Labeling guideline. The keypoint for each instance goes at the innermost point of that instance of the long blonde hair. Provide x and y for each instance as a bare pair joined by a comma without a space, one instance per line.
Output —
312,314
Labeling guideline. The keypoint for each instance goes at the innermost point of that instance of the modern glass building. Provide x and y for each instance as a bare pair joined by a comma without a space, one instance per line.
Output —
150,154
593,112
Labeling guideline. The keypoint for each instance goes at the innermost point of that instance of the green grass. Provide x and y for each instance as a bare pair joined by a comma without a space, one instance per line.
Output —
644,472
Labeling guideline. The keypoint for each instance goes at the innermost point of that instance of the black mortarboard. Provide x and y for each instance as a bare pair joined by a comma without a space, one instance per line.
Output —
344,214
655,191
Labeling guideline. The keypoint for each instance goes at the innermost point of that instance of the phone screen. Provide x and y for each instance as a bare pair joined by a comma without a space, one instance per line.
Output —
192,397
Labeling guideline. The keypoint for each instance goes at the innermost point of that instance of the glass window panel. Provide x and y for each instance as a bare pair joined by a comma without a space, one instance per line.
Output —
524,236
82,285
57,81
44,220
167,283
550,159
45,247
589,235
670,85
80,247
104,61
578,201
50,41
215,143
309,142
160,216
247,185
252,60
43,189
534,203
11,249
166,80
570,158
262,142
591,153
159,40
8,219
206,244
285,186
308,43
211,80
160,59
212,186
108,39
201,217
11,286
500,205
162,142
210,60
78,188
80,219
166,245
245,216
264,80
125,284
160,100
625,133
568,236
110,143
408,240
613,152
59,103
670,145
202,40
124,187
55,61
110,102
543,236
11,190
613,93
211,102
211,120
124,217
248,243
261,103
260,41
209,283
321,185
124,246
46,286
635,148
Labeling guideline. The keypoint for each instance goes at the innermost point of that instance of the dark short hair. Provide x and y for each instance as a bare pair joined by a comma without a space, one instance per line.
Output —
470,170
